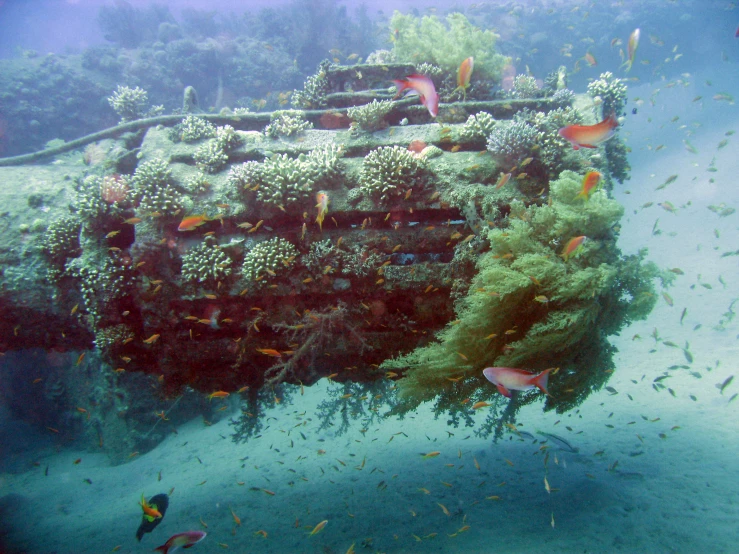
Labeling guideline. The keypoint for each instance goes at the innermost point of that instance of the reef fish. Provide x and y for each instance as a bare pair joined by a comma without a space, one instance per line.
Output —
184,540
422,86
590,136
322,199
192,222
508,379
589,182
571,246
631,49
463,75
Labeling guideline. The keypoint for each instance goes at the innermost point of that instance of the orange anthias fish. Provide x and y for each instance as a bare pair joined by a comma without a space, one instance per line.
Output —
590,136
322,199
502,180
148,510
572,246
463,75
631,48
422,86
184,540
589,182
192,222
508,379
218,394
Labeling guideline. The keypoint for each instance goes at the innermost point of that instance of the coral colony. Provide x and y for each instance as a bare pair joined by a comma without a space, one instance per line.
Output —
247,250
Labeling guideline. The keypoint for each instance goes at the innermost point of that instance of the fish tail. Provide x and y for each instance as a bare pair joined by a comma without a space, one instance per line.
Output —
541,381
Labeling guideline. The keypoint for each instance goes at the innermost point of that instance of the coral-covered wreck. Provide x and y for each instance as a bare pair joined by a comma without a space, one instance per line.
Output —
362,244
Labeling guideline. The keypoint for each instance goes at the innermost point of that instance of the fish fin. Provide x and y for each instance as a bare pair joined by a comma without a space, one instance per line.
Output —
504,391
188,546
163,549
540,381
586,146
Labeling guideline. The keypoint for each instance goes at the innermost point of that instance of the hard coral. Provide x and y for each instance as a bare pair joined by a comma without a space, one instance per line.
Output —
390,171
370,117
267,260
611,90
285,123
511,142
205,264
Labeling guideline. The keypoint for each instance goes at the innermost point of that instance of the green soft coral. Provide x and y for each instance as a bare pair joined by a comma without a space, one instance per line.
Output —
529,308
429,40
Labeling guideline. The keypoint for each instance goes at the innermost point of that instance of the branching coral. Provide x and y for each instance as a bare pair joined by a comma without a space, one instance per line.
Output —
524,86
130,103
98,198
429,40
194,128
370,117
553,150
153,185
285,123
212,156
101,281
390,171
62,240
108,337
283,181
529,308
205,264
512,142
611,90
314,91
478,128
268,259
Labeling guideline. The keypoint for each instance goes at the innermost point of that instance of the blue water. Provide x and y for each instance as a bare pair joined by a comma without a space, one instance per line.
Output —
640,469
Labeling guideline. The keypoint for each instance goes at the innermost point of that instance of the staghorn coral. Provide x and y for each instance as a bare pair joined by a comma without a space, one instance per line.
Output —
315,89
62,240
268,259
478,128
430,70
285,123
153,186
370,117
205,264
512,142
524,86
611,90
429,40
390,171
529,308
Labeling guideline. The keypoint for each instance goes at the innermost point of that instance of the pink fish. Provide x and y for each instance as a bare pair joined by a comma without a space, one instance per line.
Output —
422,86
508,379
184,540
590,136
572,245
